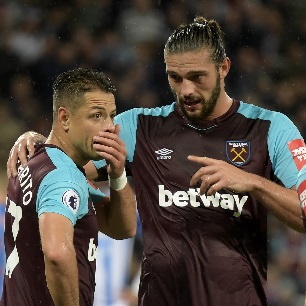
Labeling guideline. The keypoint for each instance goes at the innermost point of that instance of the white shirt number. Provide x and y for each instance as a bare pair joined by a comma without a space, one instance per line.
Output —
13,258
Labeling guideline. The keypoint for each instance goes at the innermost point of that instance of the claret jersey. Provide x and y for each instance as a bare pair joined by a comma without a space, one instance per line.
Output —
204,250
51,182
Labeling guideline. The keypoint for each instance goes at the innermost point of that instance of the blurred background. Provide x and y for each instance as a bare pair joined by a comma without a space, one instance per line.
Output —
265,40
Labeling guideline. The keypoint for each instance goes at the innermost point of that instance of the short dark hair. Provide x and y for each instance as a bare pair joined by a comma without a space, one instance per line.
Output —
199,34
69,87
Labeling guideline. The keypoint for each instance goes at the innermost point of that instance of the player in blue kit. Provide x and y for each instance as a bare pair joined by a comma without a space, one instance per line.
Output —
207,169
51,224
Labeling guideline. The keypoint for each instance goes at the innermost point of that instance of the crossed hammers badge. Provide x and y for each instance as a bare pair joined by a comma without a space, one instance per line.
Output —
238,152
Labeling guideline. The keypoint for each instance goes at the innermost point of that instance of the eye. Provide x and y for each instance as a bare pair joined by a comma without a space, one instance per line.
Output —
196,78
176,78
97,115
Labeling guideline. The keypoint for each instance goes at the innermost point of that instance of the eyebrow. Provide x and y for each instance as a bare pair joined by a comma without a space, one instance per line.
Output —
192,72
102,108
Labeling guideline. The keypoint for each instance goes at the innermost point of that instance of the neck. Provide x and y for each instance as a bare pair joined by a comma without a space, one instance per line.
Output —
224,103
61,140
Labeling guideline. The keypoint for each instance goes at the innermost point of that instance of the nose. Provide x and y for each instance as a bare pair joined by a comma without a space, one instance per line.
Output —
187,88
108,125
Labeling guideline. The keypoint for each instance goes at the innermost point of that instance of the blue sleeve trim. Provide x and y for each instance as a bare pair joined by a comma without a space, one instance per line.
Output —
281,132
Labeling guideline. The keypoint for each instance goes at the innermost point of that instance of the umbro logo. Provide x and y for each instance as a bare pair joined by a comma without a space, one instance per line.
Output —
163,153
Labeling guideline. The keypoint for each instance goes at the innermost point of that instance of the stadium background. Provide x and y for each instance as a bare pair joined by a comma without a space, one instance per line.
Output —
265,39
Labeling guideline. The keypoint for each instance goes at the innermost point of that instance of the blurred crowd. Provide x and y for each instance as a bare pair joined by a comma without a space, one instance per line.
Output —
265,40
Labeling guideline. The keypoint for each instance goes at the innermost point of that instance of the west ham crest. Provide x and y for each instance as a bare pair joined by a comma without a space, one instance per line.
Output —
238,152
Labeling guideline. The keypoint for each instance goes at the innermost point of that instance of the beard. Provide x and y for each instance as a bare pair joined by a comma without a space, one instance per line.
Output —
208,105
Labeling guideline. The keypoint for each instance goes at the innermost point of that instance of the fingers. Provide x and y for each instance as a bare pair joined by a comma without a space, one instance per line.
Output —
202,174
22,147
210,185
11,169
208,179
17,151
215,175
111,148
22,154
201,160
109,135
109,144
209,176
30,148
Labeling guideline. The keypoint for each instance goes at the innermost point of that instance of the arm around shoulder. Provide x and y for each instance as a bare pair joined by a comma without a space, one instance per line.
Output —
24,145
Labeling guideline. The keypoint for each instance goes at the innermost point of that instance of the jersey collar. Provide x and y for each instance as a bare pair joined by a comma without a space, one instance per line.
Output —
207,125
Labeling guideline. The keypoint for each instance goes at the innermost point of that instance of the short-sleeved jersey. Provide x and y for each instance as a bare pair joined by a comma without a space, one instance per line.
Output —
51,182
204,250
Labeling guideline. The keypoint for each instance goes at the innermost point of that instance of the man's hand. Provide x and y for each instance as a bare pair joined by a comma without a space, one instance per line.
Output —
117,217
217,174
111,148
24,145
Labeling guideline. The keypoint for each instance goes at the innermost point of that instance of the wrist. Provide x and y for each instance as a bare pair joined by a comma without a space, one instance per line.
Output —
118,183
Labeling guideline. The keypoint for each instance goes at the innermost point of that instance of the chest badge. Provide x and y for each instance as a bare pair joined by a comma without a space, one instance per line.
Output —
238,152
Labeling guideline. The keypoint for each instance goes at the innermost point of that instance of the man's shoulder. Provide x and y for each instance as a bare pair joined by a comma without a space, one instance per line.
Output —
252,111
63,168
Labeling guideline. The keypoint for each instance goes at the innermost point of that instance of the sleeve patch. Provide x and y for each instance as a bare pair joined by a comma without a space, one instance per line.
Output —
72,200
298,150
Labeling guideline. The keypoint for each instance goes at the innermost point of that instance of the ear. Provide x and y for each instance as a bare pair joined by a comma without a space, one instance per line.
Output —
224,68
63,118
